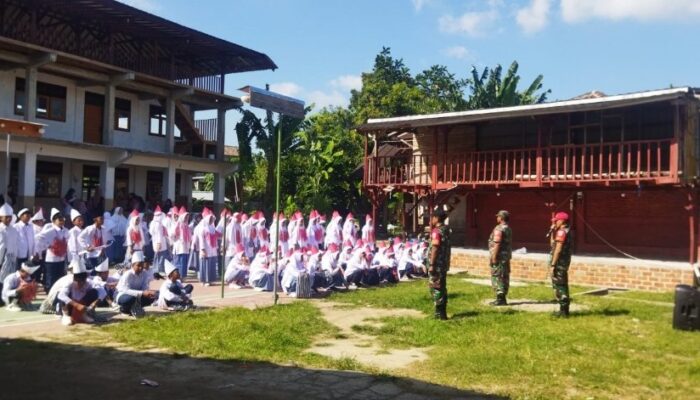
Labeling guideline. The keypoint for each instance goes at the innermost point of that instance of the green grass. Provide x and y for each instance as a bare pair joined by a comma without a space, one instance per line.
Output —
273,334
616,349
619,347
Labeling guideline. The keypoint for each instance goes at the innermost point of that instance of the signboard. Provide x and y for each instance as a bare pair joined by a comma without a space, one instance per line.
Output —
275,102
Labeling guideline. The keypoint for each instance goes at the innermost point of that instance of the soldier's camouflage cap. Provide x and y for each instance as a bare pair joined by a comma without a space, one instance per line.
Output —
503,214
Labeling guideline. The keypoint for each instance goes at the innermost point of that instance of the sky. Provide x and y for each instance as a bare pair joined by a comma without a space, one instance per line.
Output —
323,46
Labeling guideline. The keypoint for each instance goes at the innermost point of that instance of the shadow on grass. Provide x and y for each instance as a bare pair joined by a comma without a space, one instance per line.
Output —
518,303
606,312
96,372
465,314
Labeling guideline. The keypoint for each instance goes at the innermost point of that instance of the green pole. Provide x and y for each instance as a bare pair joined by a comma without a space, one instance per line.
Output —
277,203
222,267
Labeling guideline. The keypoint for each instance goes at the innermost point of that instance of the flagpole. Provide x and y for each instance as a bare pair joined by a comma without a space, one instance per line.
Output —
277,204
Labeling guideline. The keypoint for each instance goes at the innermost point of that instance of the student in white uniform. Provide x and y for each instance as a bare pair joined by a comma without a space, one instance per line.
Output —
238,269
284,233
181,236
37,221
234,237
25,232
93,239
9,242
334,231
173,295
53,239
349,230
79,298
261,272
135,239
160,240
357,267
74,247
206,237
133,291
368,232
332,271
18,289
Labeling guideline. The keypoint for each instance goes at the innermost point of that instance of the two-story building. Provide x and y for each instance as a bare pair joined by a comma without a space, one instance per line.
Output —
117,89
624,166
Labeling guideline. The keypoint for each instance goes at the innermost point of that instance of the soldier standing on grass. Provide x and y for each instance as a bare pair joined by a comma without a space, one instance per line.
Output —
559,260
500,250
439,262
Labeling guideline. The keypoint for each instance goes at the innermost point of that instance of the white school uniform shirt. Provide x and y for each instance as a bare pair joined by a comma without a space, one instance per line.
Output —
132,284
356,262
349,232
164,294
368,234
329,262
74,246
159,235
25,243
73,292
206,238
334,233
181,236
134,232
10,286
234,236
55,241
92,236
259,267
37,229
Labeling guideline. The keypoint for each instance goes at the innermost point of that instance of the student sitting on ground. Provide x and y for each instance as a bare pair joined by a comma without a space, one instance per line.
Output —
237,270
132,290
261,272
105,282
173,295
79,298
409,266
18,289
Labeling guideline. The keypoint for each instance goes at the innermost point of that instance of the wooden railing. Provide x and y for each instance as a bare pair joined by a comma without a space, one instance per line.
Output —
634,161
207,129
212,83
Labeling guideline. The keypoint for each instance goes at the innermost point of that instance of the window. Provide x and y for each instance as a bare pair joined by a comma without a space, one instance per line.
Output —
48,179
158,124
122,114
158,119
50,100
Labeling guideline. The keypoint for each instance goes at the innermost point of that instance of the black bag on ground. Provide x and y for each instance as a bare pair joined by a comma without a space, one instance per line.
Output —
686,312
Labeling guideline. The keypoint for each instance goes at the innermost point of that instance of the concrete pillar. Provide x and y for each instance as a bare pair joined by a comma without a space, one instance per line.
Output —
220,133
140,182
76,179
169,125
66,177
108,116
219,191
107,184
186,187
30,79
27,179
4,176
169,182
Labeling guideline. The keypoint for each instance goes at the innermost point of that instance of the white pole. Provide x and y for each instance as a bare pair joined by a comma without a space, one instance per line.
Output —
7,167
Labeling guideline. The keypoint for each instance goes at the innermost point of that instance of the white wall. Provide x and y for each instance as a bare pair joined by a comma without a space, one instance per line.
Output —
72,129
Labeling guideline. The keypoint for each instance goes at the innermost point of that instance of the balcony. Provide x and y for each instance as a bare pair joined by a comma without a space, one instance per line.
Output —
630,162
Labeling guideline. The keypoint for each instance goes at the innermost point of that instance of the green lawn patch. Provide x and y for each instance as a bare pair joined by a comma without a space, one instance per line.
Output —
617,348
274,334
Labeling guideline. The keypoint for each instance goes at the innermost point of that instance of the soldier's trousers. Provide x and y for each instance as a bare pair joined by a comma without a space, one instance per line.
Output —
560,283
500,277
438,290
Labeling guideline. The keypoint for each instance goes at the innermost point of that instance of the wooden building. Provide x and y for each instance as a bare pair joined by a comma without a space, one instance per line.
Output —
625,168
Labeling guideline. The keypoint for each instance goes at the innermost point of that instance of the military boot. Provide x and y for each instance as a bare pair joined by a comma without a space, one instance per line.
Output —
563,311
500,300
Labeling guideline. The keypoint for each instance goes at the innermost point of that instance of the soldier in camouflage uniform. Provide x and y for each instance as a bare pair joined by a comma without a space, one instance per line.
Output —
559,260
439,262
500,251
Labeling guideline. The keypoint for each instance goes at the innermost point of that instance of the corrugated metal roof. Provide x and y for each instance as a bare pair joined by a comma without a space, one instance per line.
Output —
588,104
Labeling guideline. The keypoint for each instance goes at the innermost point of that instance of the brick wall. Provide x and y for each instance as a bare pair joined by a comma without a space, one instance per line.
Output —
593,271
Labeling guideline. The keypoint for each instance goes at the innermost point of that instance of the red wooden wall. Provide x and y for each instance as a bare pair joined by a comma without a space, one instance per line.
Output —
647,223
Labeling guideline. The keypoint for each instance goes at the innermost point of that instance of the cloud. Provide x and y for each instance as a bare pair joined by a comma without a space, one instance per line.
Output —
347,82
472,23
458,52
326,99
533,18
290,89
419,4
573,11
150,6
